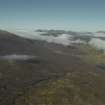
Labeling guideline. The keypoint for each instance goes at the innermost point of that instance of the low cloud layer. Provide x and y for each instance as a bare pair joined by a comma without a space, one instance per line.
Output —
63,39
99,35
67,39
99,44
17,57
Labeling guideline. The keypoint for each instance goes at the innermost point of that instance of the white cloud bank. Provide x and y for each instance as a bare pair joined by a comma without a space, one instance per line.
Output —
63,39
17,57
98,43
99,34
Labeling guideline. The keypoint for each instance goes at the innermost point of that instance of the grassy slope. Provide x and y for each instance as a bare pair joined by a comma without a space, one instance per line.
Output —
73,89
92,55
83,86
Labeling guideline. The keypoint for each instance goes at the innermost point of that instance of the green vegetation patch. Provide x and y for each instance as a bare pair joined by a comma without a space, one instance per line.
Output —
92,55
74,89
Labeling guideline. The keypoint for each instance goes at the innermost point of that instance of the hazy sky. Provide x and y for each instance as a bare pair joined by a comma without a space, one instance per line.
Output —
80,15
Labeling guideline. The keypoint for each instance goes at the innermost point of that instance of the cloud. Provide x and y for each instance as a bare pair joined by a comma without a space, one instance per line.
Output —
17,57
63,39
99,44
99,34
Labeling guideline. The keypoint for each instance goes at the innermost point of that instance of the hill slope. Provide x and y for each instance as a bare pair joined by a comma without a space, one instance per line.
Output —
57,75
10,43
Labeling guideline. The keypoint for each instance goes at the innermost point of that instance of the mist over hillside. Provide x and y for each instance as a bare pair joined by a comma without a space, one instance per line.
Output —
99,44
95,39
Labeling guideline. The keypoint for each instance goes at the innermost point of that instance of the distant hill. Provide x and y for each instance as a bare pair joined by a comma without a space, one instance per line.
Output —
11,43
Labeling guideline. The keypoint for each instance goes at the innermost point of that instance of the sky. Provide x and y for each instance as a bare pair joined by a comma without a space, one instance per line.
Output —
76,15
